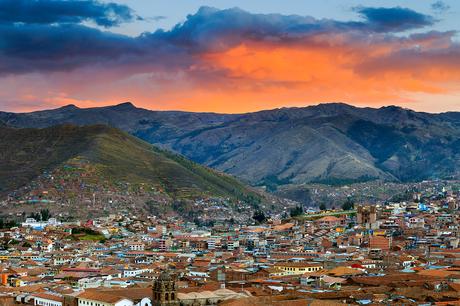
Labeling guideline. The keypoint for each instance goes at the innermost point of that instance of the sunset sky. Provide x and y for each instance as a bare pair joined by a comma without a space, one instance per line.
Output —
229,56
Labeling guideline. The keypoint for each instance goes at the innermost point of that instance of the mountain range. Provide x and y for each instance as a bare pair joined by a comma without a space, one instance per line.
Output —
331,143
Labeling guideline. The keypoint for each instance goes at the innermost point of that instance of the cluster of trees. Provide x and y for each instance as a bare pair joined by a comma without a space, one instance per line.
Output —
349,204
259,216
84,230
201,223
297,211
42,215
251,198
7,223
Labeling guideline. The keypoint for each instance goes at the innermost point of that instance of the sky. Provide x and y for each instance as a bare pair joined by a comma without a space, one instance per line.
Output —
229,56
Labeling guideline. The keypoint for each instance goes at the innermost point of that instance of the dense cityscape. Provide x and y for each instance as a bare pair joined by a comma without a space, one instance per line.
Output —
229,153
392,253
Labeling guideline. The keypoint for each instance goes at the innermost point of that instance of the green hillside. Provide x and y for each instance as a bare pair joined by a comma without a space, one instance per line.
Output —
110,156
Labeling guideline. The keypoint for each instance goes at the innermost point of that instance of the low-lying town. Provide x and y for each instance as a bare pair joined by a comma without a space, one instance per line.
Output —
392,253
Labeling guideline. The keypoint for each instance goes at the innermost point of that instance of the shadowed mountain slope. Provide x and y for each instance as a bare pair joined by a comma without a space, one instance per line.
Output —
329,143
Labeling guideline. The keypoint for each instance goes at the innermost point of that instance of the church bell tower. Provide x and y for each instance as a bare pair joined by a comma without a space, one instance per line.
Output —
164,291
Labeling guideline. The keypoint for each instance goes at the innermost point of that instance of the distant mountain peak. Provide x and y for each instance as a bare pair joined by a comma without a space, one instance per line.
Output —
69,107
397,108
393,108
124,105
337,106
334,104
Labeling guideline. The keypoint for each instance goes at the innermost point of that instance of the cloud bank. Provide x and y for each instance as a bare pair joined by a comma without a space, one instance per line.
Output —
219,60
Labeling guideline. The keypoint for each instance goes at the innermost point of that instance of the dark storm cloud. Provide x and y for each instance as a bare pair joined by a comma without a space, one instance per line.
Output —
395,19
33,47
63,11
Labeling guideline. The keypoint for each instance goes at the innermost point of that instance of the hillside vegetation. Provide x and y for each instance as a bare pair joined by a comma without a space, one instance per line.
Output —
109,155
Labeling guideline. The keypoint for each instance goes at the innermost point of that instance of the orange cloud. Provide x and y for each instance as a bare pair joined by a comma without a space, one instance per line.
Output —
256,75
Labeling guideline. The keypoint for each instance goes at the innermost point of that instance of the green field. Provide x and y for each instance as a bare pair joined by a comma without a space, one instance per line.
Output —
325,214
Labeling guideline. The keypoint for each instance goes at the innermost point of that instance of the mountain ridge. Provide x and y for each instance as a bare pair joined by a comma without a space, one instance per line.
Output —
329,143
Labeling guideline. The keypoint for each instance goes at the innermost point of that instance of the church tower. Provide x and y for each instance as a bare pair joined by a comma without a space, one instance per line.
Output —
367,216
164,291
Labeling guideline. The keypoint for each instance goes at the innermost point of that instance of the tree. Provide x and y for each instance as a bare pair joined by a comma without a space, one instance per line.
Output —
197,221
322,206
7,223
45,214
35,216
259,216
297,211
348,204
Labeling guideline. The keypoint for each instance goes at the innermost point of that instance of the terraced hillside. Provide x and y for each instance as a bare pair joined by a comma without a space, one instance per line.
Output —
70,163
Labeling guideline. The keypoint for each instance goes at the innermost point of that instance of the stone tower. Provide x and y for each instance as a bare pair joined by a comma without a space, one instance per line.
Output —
367,216
164,291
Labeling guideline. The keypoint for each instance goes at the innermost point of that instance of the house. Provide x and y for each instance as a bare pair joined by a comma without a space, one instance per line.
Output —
344,272
416,222
47,299
379,242
332,282
298,268
136,246
329,222
18,271
311,278
98,298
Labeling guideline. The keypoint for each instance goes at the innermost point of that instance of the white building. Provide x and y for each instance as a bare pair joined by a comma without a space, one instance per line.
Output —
100,298
31,222
47,299
134,272
136,246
